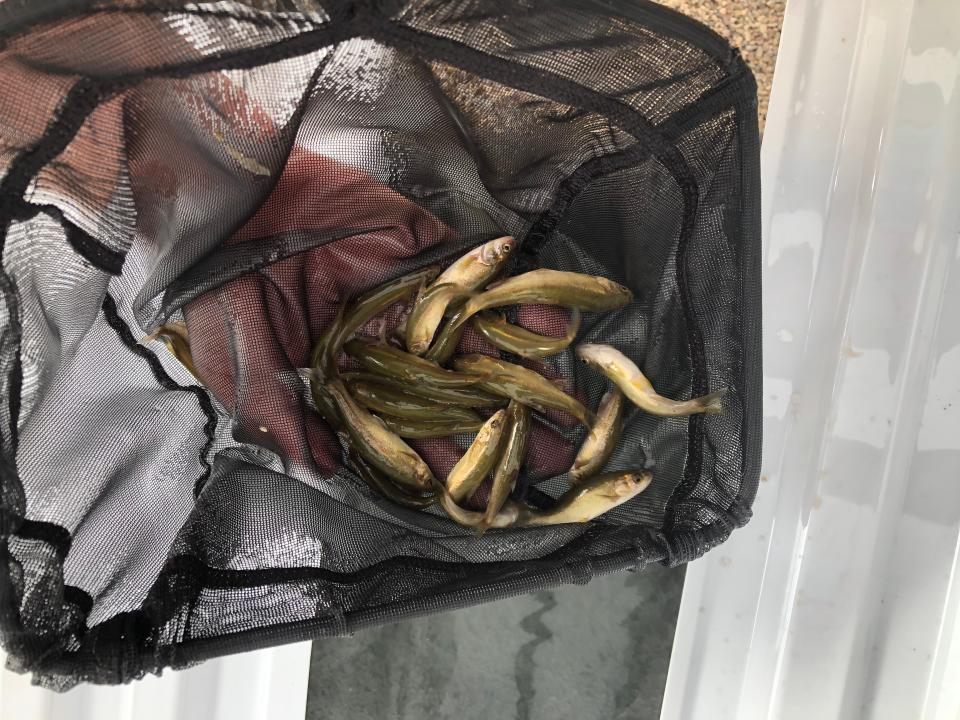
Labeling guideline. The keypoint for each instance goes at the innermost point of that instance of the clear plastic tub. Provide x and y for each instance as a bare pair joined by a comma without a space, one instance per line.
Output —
840,598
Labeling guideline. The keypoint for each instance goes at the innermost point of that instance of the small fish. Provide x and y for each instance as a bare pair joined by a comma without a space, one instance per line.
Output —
385,487
389,361
463,397
508,515
479,458
423,429
602,438
520,384
364,309
522,342
480,265
427,314
455,283
325,404
378,445
383,399
551,287
627,376
511,458
585,502
446,343
174,335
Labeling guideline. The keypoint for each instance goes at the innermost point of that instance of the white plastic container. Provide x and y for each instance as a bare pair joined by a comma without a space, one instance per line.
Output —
840,599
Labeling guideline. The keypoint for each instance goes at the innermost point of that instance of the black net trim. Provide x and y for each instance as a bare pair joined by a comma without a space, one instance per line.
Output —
203,398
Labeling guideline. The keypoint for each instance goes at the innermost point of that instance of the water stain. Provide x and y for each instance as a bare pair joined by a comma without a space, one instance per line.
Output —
524,664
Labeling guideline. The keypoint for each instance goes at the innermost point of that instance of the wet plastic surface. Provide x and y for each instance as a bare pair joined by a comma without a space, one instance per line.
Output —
845,581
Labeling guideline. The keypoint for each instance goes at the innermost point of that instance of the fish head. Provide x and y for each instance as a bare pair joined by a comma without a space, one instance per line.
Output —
494,424
615,288
602,357
630,484
620,488
496,251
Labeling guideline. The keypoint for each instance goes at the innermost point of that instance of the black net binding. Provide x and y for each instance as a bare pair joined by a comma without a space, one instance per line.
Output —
248,167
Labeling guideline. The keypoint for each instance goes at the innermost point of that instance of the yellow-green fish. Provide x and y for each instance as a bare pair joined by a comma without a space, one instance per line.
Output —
602,439
386,400
520,384
174,335
553,287
480,265
468,273
634,384
389,361
446,343
589,500
385,487
522,342
507,516
479,458
377,445
423,429
427,314
362,310
511,458
465,397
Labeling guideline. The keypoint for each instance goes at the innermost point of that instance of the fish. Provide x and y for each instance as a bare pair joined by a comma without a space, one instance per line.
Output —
480,265
423,429
478,460
386,400
507,516
446,343
602,439
511,458
591,293
427,314
520,384
465,397
378,445
638,389
522,342
589,500
458,281
389,361
383,486
174,335
363,309
326,405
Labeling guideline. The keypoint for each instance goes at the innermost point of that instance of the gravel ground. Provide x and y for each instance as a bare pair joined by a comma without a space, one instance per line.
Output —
751,25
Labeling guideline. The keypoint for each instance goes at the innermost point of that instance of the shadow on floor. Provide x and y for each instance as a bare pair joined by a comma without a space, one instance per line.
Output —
590,652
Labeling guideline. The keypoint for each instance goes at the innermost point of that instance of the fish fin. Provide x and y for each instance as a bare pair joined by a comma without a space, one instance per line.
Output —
712,404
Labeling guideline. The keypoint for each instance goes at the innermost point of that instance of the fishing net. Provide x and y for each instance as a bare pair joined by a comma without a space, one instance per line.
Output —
247,168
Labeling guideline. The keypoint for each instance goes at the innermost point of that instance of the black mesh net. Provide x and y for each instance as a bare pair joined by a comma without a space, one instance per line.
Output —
248,168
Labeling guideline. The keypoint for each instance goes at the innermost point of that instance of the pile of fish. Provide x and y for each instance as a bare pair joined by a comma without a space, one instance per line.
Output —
412,385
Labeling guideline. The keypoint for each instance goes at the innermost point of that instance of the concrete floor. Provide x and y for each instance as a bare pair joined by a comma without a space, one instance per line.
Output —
594,652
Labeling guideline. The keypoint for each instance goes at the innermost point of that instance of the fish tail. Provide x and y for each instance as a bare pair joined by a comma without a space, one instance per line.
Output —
712,404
